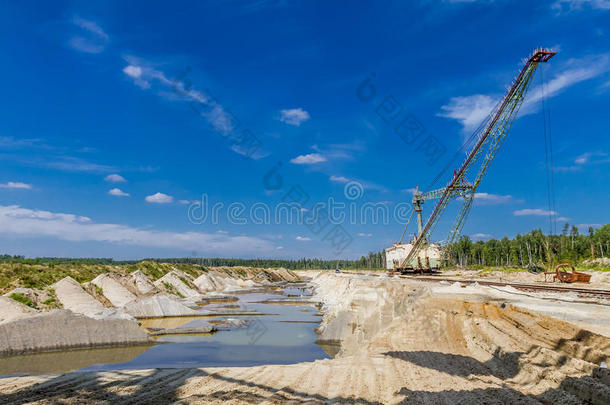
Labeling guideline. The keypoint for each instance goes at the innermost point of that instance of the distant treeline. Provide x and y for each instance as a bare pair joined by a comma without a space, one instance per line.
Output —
534,248
371,261
62,260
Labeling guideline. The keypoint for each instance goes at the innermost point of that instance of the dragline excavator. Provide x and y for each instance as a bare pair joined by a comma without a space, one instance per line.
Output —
421,255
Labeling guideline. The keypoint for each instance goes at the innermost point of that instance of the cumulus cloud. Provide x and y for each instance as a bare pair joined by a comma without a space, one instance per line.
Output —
294,116
159,198
491,199
133,71
534,212
115,178
16,184
91,39
339,179
303,239
480,236
17,221
308,159
118,192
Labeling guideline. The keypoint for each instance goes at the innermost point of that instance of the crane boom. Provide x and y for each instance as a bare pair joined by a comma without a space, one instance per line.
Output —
488,143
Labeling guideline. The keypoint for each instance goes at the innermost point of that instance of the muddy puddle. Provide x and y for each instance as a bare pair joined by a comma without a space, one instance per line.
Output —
279,333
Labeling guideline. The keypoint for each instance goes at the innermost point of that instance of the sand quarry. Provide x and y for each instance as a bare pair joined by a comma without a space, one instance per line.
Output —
401,341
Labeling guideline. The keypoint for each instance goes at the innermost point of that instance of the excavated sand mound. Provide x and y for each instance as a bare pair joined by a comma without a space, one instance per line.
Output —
11,310
400,344
141,283
112,288
174,278
63,329
73,297
157,306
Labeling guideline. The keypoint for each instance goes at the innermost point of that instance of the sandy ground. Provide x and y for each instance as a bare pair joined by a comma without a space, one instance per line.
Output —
599,279
402,342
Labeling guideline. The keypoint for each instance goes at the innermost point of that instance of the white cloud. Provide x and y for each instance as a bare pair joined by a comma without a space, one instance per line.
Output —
303,238
185,202
94,40
574,72
16,184
588,158
294,116
17,221
74,164
279,248
570,5
308,159
115,178
591,157
364,235
534,212
159,198
340,150
582,159
133,71
411,190
118,192
206,106
469,111
339,179
491,199
481,236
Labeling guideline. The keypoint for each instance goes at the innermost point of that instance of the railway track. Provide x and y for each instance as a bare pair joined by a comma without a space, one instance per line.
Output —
524,287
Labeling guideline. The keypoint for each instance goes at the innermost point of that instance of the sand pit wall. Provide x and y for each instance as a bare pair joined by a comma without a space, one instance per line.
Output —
62,329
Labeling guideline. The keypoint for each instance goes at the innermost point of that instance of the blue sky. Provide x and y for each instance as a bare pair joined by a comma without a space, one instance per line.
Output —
119,116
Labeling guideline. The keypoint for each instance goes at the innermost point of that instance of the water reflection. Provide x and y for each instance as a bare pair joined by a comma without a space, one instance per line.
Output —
68,360
279,334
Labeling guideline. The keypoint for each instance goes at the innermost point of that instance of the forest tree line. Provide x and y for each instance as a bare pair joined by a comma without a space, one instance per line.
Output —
534,248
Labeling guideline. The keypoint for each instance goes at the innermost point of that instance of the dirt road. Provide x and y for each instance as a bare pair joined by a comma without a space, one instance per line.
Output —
401,343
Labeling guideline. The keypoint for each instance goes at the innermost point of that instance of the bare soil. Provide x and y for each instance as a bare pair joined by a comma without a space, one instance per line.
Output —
401,342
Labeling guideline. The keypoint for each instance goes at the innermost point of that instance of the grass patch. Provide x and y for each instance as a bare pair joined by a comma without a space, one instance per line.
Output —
171,289
185,281
19,297
52,302
98,290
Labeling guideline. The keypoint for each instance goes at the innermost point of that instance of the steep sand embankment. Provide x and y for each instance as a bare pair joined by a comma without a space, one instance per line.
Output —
400,344
63,329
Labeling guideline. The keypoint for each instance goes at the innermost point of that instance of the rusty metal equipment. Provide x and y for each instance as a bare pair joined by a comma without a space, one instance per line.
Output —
567,277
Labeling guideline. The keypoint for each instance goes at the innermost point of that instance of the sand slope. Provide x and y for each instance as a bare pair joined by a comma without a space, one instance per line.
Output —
400,344
61,329
73,297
